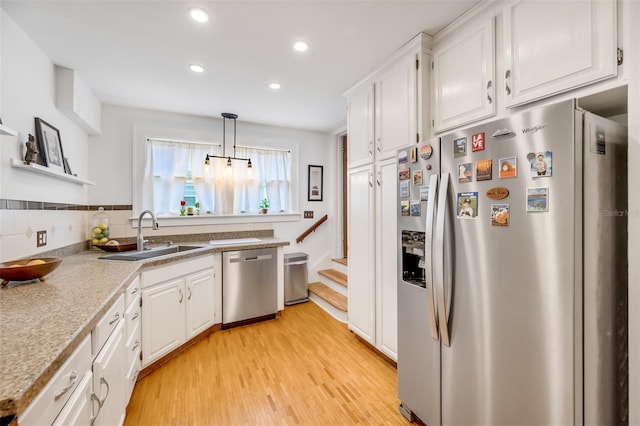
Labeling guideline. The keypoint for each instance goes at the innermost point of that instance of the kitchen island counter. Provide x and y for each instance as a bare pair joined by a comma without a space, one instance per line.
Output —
42,323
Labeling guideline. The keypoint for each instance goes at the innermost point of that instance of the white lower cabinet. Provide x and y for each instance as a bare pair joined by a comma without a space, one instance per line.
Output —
77,411
177,303
61,389
109,383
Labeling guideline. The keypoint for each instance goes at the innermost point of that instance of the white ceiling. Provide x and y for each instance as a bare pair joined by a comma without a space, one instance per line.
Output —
137,53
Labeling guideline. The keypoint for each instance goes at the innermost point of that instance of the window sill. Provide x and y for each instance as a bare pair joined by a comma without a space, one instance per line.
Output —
207,219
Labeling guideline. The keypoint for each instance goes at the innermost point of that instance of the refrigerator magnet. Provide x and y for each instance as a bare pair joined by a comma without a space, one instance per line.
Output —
414,154
541,164
426,151
414,207
483,169
459,147
467,203
402,157
417,177
424,193
477,142
404,208
404,188
508,168
499,214
538,199
404,174
464,173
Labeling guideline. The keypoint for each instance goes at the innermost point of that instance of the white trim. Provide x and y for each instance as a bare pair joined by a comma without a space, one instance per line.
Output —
151,139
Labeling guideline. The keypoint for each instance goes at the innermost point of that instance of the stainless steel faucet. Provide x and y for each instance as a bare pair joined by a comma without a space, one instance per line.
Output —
154,224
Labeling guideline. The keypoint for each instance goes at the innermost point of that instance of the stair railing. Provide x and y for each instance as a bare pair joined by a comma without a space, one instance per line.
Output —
311,229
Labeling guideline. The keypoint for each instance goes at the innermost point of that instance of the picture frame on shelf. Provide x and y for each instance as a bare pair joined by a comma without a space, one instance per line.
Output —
315,189
49,146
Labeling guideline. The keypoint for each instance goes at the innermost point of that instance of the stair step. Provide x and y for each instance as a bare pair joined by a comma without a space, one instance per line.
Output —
343,261
334,275
333,297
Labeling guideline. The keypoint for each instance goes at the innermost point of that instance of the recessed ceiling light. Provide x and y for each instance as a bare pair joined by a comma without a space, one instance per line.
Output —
274,86
301,46
196,68
198,15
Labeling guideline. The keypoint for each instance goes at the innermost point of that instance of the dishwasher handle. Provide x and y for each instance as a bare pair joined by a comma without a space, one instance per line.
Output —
240,259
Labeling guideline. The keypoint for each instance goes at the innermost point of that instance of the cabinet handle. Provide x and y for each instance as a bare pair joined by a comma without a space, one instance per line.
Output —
489,92
507,75
116,317
73,377
181,295
135,346
104,381
379,180
370,182
189,297
136,315
96,399
135,290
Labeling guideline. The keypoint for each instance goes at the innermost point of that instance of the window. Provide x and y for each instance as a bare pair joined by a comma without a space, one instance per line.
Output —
175,171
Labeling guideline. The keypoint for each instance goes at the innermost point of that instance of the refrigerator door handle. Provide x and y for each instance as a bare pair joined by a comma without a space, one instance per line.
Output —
439,260
431,207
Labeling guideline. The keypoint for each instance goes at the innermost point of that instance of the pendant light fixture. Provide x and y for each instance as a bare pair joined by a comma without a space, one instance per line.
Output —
228,116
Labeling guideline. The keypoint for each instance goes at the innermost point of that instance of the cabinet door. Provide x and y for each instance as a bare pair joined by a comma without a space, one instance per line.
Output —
360,126
109,370
552,47
200,306
163,319
386,258
395,99
361,290
463,67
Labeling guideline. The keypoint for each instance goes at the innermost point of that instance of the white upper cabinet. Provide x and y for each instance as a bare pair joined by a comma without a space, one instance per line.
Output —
389,109
395,107
360,126
555,46
463,75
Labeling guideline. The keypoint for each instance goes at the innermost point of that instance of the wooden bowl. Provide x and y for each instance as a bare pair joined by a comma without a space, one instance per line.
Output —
23,272
126,244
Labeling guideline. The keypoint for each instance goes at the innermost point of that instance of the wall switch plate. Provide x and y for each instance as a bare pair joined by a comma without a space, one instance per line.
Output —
42,238
308,214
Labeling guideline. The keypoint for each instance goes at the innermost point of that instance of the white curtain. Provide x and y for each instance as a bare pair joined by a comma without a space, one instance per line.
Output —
219,189
166,172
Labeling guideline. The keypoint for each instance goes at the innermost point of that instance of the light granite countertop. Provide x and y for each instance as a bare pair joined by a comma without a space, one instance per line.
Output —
42,323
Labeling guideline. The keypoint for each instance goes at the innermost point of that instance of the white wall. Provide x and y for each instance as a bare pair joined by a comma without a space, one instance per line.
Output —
124,130
27,83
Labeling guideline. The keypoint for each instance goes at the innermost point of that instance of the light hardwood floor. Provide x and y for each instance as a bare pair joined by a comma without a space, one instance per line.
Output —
304,368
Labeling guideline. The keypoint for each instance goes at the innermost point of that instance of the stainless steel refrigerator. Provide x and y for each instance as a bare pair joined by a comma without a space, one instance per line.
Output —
512,272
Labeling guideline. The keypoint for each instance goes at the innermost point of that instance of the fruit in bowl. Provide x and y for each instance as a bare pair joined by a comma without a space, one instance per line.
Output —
28,269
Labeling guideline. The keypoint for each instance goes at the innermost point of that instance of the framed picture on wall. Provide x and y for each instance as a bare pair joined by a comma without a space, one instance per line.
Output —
49,145
315,183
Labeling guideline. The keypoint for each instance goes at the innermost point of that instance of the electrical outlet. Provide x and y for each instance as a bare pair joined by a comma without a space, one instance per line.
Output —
41,238
308,214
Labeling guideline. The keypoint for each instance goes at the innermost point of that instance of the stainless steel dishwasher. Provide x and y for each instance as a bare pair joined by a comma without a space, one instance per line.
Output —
249,286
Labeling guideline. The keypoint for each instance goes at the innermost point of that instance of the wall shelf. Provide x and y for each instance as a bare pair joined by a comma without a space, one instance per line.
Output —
4,130
19,164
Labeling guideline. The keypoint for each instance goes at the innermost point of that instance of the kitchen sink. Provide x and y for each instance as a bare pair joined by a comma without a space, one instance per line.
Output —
149,254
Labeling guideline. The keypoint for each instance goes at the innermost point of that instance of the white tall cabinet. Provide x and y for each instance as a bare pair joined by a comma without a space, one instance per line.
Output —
388,110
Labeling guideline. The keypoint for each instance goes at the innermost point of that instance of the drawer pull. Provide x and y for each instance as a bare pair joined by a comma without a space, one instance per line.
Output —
135,345
104,381
116,317
189,297
181,296
96,399
135,290
74,379
136,315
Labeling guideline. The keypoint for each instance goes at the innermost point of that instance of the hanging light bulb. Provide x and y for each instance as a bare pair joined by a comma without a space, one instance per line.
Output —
249,165
229,162
206,160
